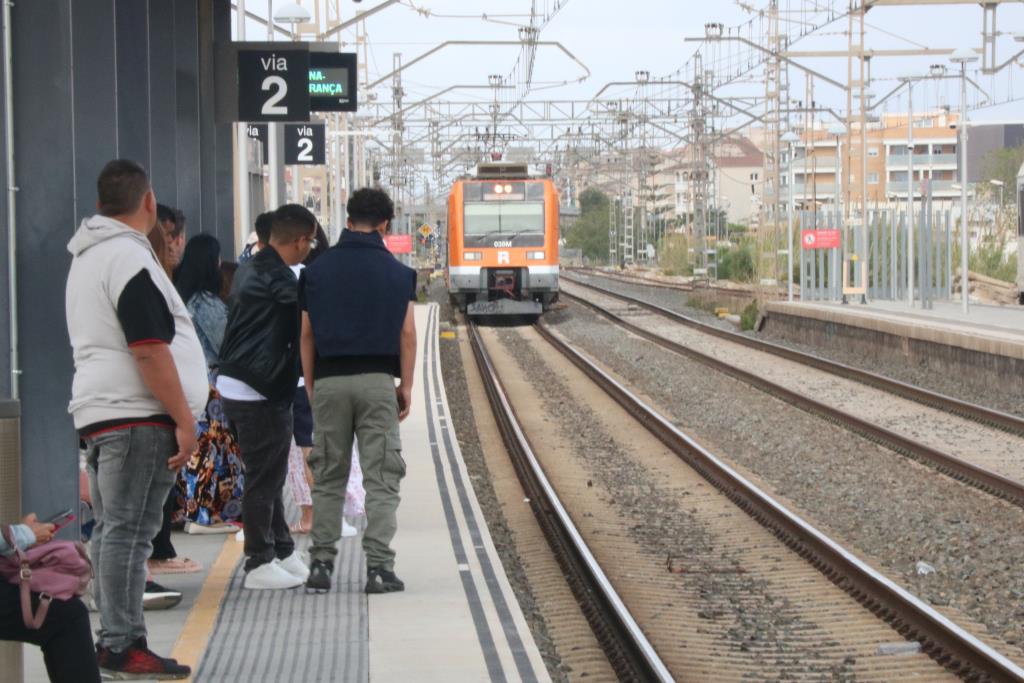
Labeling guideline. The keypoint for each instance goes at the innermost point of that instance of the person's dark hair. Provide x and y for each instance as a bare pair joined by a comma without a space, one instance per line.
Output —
227,273
199,270
179,223
370,206
292,221
321,245
263,223
166,214
120,187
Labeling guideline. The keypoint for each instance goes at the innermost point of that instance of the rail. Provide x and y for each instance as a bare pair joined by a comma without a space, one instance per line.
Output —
978,413
629,651
969,473
940,638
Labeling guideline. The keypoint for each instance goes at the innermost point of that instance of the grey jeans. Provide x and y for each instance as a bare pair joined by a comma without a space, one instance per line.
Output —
129,482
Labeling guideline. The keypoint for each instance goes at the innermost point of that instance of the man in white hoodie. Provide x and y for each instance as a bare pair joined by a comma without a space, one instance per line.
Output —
140,382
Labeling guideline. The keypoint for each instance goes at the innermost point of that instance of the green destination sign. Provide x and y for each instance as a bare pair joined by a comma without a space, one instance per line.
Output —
332,81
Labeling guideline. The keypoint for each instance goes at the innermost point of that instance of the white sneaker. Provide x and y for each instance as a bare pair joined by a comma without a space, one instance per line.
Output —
295,565
347,530
270,576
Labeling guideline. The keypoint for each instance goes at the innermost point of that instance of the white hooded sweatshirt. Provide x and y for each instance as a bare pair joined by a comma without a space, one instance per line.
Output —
108,386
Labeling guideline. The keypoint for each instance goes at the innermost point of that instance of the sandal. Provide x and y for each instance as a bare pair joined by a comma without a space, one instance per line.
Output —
175,565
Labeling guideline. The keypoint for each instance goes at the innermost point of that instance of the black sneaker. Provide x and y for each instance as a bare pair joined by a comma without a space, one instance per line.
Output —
319,580
138,662
159,597
383,581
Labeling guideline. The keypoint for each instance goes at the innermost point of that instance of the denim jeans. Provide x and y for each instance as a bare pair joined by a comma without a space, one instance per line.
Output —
128,481
264,438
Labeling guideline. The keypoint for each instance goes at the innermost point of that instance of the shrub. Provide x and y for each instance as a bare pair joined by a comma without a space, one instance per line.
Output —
748,318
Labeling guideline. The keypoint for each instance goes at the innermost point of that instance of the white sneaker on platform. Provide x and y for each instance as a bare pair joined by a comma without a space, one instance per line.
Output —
271,576
295,565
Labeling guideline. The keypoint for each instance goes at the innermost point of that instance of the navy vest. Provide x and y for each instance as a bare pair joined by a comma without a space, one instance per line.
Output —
357,294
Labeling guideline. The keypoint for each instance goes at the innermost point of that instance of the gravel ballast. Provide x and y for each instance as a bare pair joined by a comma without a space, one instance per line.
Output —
927,378
889,509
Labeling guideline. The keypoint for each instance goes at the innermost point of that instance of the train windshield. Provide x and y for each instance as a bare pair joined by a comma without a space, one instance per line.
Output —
504,218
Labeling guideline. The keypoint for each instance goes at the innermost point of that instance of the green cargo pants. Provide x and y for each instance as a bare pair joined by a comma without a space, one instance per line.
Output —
364,406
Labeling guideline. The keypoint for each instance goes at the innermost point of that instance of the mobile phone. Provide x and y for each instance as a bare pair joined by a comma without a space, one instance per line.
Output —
60,519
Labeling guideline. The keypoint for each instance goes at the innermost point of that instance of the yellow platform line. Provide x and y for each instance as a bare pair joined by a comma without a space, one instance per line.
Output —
195,634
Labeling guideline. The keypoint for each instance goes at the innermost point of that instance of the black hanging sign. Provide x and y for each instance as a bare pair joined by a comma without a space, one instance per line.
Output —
305,144
273,85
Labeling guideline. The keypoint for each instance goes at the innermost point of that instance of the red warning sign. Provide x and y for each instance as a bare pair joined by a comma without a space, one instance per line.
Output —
821,239
398,244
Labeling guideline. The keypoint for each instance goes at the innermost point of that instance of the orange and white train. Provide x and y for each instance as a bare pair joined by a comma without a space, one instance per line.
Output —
503,242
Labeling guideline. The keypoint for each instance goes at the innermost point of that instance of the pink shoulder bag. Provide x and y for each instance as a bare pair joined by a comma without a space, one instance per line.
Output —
57,569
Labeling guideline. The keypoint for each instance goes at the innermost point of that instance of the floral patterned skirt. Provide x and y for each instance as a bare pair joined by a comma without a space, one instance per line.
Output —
210,485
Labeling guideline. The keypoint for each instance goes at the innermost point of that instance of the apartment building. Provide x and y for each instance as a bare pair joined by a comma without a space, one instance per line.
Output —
736,168
888,162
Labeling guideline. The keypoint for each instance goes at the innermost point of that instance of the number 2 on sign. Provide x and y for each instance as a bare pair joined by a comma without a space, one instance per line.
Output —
305,150
271,106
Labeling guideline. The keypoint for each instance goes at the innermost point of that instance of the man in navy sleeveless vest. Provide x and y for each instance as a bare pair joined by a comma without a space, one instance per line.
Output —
358,335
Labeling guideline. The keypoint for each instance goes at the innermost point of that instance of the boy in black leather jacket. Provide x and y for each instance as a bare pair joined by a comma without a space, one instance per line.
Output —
259,368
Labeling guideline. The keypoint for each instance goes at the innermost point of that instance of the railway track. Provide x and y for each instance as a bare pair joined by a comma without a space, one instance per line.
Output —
980,472
795,580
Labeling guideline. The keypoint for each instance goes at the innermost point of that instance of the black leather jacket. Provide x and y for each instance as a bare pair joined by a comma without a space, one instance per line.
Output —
261,342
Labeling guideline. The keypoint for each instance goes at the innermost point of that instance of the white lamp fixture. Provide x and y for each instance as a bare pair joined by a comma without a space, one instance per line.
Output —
837,129
963,55
292,13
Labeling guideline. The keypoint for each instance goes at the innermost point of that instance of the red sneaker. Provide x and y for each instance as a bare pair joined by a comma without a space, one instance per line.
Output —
138,662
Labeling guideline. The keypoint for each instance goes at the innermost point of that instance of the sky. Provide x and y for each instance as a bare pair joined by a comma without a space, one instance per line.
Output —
615,39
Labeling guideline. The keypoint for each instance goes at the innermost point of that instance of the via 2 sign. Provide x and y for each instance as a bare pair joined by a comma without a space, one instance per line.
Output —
305,144
273,85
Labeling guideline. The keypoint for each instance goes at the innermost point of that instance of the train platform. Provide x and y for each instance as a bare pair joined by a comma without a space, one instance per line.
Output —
987,328
986,345
458,619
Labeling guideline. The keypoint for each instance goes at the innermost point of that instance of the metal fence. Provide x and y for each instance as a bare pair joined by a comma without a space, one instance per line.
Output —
881,242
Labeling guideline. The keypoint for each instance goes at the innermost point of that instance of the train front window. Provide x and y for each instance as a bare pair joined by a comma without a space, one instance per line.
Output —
504,218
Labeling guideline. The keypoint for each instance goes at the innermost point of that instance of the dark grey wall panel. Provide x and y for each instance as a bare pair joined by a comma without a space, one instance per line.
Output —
46,220
186,56
163,102
93,80
132,24
5,331
218,206
94,97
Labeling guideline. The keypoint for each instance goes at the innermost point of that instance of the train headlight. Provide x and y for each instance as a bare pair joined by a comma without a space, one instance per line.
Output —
535,256
472,256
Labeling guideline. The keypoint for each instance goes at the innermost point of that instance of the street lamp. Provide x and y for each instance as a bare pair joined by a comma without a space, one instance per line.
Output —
292,13
790,138
838,130
1000,184
963,56
909,80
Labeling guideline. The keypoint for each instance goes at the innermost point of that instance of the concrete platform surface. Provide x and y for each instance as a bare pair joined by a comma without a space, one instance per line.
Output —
458,619
997,330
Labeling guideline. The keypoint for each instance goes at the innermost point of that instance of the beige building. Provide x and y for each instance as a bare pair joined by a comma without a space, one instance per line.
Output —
934,158
734,182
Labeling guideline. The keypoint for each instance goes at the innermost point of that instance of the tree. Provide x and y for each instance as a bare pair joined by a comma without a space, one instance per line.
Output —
590,232
1003,165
